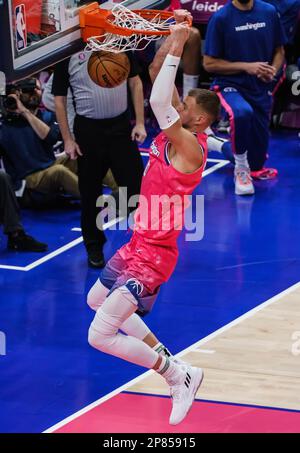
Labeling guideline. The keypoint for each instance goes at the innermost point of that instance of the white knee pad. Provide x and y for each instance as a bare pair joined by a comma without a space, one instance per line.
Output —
97,295
103,330
109,318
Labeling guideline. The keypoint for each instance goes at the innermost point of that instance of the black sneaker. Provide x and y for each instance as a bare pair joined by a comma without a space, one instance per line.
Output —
22,242
96,257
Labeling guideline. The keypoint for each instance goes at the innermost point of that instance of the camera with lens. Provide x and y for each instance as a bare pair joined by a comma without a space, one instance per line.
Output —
25,89
10,103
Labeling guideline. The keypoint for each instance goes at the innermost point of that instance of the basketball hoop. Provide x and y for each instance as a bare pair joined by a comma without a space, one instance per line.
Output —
121,29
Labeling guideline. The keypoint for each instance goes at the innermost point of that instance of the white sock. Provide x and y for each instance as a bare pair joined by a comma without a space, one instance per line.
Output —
162,350
189,82
241,160
170,370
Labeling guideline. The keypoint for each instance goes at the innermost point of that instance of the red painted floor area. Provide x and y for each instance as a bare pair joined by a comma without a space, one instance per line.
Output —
133,413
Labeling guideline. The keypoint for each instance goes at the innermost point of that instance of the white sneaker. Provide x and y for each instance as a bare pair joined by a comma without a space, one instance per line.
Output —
178,361
243,181
223,126
183,393
215,143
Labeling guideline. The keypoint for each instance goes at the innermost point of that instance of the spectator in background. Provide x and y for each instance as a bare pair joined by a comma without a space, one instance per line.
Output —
27,137
103,138
244,49
18,240
289,11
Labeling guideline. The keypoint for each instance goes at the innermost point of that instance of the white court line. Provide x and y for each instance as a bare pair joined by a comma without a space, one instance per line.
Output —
220,163
209,159
185,351
57,252
12,268
204,351
53,254
254,263
216,167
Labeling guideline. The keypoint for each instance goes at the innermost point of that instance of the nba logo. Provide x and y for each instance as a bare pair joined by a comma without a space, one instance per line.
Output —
21,32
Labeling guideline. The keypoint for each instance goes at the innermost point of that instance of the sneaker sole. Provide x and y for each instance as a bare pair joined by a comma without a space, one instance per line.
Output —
240,192
196,385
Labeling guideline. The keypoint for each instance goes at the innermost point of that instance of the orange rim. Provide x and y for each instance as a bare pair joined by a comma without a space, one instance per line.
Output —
93,17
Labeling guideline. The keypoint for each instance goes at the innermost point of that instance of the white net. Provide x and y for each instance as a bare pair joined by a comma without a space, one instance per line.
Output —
127,19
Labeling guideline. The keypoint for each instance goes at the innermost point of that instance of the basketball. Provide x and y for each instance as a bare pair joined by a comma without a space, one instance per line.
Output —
108,69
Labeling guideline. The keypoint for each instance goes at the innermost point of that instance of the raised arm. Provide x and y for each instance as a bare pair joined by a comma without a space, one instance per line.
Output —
167,116
181,15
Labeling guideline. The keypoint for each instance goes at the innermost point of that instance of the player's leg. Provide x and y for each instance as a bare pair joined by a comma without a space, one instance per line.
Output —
241,117
104,335
134,325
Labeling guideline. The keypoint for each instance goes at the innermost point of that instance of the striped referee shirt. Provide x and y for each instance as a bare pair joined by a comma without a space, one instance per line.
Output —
91,100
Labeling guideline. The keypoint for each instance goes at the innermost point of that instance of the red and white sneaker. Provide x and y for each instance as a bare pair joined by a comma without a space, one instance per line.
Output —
243,181
183,393
265,173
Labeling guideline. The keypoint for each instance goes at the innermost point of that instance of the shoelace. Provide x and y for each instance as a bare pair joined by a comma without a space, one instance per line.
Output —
244,176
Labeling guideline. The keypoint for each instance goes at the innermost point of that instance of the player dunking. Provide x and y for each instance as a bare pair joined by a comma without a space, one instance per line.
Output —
130,282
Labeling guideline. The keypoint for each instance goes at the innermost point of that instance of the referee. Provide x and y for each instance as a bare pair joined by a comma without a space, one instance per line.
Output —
103,138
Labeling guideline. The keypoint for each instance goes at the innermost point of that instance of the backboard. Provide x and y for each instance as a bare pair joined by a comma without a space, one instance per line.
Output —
35,34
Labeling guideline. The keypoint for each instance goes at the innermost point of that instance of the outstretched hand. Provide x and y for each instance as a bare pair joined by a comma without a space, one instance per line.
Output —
180,32
182,15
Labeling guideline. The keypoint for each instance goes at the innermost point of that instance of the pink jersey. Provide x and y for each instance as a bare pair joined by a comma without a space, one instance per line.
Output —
164,194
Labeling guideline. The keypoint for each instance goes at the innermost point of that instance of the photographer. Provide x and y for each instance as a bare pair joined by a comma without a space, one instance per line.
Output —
27,137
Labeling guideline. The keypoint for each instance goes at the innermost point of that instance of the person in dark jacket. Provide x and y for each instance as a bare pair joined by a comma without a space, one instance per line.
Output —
27,137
